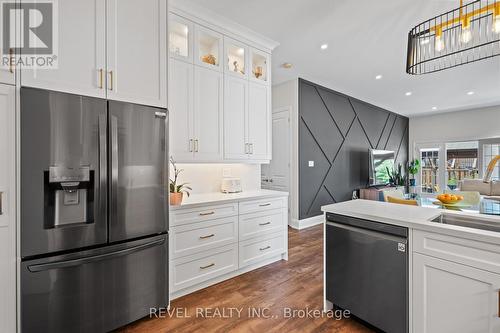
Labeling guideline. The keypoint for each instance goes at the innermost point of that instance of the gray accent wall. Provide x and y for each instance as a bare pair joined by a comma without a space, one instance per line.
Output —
336,131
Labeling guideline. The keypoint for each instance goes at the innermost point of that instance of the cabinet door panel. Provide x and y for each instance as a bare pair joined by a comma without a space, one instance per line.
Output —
259,121
180,107
449,297
81,51
208,85
8,216
235,106
137,51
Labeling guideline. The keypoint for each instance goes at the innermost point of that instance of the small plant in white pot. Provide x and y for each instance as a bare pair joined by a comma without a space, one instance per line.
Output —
177,190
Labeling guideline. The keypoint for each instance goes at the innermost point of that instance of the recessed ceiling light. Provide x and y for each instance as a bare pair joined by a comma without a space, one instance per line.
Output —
378,77
287,65
434,108
324,46
408,93
470,93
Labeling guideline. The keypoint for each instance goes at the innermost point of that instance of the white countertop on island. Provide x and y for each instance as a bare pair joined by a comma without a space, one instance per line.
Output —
218,197
414,217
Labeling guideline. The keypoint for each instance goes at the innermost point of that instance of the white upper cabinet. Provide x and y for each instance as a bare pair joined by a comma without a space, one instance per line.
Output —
180,38
208,48
259,61
259,122
7,73
223,115
208,102
7,209
181,110
235,113
81,51
137,51
236,58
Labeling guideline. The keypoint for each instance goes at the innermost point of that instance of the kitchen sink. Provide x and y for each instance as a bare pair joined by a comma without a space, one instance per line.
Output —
468,221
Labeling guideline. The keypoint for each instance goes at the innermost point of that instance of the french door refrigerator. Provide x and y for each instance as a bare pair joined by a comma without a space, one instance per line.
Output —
94,219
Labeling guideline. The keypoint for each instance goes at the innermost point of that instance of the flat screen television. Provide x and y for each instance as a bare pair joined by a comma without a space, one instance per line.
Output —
380,161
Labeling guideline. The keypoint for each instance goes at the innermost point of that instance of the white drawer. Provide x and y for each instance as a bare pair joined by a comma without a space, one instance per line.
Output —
261,223
258,249
260,205
190,215
465,251
198,237
194,269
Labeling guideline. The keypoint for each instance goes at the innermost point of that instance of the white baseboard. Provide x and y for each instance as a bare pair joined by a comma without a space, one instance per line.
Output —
306,223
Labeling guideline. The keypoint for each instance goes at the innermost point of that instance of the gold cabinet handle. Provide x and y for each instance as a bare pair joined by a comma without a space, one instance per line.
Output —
205,214
498,303
1,203
190,145
207,266
196,145
110,80
265,248
251,148
11,54
100,78
208,236
264,205
267,223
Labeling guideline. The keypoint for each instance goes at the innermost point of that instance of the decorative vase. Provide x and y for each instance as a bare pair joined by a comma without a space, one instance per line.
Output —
175,198
413,182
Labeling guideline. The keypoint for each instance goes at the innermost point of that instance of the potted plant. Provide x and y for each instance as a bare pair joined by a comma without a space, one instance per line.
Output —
177,190
396,177
413,168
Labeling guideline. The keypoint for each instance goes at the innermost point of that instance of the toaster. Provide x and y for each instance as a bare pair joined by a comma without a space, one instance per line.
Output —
230,185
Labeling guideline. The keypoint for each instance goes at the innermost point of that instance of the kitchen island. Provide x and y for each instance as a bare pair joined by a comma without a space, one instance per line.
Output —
451,273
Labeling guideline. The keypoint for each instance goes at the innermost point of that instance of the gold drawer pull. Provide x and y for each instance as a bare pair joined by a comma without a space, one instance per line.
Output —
265,248
205,214
207,266
265,223
11,54
264,205
208,236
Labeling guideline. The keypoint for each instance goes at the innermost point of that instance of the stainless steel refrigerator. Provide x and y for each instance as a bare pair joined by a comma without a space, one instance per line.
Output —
94,212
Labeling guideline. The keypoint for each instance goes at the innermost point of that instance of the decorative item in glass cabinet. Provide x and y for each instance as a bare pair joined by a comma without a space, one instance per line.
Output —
463,35
258,72
209,59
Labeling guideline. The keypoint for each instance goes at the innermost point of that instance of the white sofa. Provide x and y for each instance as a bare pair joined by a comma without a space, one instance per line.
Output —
488,189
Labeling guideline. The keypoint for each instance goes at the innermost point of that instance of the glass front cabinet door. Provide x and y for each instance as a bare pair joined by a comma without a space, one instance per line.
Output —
207,48
180,38
259,61
236,58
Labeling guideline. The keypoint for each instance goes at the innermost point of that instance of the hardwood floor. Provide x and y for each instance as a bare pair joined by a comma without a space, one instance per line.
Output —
296,284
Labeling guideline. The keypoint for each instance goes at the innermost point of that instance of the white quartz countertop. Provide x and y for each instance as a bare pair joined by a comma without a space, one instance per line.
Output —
218,197
414,217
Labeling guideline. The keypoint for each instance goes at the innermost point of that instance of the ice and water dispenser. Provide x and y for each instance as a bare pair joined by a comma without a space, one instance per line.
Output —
68,196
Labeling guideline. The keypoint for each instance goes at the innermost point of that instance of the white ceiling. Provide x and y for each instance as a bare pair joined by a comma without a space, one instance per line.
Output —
365,38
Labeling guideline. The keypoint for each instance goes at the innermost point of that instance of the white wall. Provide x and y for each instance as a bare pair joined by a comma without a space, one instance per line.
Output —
206,178
286,95
465,125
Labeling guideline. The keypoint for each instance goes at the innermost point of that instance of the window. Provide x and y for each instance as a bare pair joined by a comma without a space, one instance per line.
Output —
430,167
461,162
490,151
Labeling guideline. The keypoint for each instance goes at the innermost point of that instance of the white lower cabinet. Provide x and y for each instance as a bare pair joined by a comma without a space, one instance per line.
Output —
449,297
7,209
213,242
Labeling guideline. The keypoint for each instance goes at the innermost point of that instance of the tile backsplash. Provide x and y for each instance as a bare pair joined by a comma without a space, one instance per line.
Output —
205,178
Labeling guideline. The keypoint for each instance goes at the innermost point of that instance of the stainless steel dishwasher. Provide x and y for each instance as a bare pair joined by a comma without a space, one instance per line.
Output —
367,270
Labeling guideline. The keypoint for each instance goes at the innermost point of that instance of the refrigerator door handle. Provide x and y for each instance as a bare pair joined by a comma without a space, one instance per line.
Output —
99,257
103,167
114,170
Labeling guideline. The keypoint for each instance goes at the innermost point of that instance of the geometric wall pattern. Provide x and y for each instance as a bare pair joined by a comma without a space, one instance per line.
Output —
336,131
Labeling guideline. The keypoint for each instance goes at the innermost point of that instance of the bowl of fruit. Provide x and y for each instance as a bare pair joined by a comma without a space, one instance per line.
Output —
449,199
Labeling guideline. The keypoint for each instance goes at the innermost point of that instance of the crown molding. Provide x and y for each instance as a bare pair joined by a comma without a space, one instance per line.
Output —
217,22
